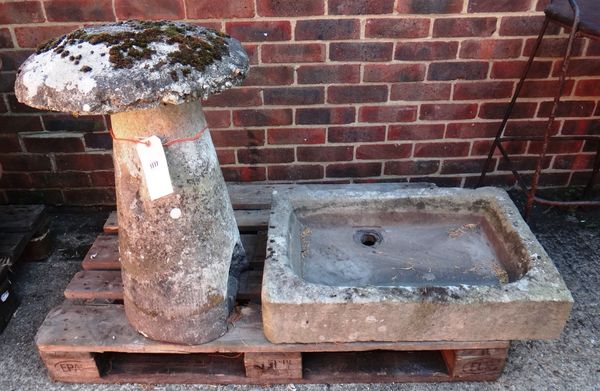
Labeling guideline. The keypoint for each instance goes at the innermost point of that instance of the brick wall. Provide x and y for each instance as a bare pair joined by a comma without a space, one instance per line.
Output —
339,90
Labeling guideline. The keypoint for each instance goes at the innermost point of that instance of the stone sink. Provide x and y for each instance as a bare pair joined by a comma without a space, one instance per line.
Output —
390,263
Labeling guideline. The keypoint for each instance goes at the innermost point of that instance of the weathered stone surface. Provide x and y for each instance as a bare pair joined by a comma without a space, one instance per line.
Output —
129,66
175,269
521,296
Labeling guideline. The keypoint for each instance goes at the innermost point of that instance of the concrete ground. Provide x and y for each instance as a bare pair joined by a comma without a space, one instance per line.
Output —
572,238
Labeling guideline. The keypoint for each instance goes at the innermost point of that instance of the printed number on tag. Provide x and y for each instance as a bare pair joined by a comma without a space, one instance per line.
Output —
155,168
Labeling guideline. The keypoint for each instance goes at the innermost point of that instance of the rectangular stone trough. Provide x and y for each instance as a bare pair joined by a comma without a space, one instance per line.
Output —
386,263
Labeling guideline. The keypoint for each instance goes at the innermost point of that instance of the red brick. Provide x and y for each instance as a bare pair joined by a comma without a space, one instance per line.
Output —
295,172
544,88
457,70
383,151
472,129
51,142
364,7
207,9
483,90
579,67
289,8
21,12
218,118
361,51
79,10
9,143
581,126
416,132
429,7
387,114
498,5
333,115
357,94
5,39
574,162
103,178
270,76
306,52
66,122
411,167
353,170
296,96
149,9
3,107
97,196
593,48
237,97
397,28
579,178
496,110
17,180
522,163
48,197
491,48
421,91
441,149
12,60
101,140
348,134
244,174
84,161
513,69
571,108
436,112
252,52
588,88
463,166
226,156
262,117
552,47
18,107
238,138
296,136
325,154
7,81
31,37
11,124
526,25
327,29
464,27
482,148
260,31
590,146
394,72
26,162
325,74
425,51
60,179
556,147
265,155
529,128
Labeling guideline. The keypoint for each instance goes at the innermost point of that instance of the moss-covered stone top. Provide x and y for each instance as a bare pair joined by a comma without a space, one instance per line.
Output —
128,66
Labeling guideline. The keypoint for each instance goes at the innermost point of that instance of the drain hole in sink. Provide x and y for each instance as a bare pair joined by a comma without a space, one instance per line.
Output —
368,238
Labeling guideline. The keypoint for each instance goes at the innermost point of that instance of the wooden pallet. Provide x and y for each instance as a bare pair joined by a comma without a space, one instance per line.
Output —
88,338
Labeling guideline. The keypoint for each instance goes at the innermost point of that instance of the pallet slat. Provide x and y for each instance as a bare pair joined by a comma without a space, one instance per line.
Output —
107,285
247,220
104,252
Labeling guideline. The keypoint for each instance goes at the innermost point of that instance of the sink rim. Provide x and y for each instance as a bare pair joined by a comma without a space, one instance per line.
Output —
541,282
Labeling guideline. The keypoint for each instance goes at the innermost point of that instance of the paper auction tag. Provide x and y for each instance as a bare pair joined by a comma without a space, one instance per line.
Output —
155,168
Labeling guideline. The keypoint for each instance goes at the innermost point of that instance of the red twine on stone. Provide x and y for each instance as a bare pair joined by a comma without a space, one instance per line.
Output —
166,143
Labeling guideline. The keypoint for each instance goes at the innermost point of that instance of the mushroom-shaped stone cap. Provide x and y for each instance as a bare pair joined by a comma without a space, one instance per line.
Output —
129,66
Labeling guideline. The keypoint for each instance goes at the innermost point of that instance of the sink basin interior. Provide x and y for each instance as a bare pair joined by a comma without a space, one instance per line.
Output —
375,246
